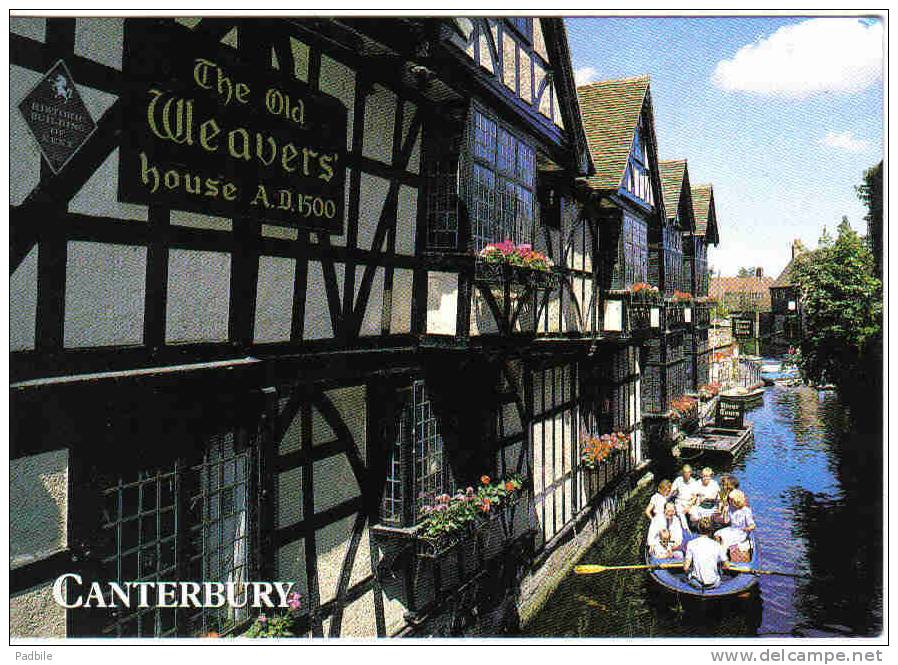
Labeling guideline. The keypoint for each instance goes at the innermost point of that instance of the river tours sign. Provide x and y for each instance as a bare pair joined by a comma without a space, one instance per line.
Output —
208,132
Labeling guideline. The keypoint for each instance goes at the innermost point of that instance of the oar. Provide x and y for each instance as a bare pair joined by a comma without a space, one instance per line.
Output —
594,568
755,571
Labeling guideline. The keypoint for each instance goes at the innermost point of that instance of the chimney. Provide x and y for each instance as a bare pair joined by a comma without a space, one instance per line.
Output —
759,272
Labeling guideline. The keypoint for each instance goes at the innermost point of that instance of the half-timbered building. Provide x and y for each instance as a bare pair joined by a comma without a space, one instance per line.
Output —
629,205
252,335
785,305
696,245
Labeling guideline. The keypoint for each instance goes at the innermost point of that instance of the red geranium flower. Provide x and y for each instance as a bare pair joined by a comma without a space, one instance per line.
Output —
485,480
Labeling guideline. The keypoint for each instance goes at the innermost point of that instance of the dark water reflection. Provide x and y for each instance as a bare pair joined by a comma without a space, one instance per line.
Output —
815,487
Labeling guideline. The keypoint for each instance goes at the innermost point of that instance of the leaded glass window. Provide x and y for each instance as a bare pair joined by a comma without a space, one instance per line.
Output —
188,521
634,251
418,470
503,173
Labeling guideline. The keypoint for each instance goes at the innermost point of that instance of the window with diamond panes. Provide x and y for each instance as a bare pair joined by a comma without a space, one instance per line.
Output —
187,521
418,471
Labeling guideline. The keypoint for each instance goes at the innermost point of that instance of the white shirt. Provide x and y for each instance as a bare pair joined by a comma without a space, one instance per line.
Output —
660,522
702,556
683,490
657,503
711,491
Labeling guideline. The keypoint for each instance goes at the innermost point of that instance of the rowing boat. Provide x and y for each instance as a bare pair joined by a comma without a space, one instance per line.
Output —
731,584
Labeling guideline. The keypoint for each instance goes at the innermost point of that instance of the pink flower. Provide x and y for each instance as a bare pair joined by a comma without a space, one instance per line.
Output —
263,619
293,601
469,491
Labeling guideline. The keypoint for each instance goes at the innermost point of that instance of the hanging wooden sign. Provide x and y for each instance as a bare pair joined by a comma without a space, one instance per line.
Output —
204,130
743,327
57,116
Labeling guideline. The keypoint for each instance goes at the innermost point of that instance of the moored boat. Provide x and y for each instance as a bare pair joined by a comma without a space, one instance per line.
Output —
731,584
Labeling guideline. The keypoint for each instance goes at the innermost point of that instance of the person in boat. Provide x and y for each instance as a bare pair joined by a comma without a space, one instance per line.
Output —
682,490
727,483
741,522
669,521
703,559
706,496
664,546
659,498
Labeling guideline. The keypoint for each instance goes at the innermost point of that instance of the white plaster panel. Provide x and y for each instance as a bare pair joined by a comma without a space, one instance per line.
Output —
274,299
23,302
291,565
401,306
99,195
300,59
338,80
197,220
317,315
380,119
331,545
358,618
371,321
33,28
289,497
33,613
279,232
335,482
406,220
372,196
198,296
100,39
24,153
442,303
104,295
291,440
351,404
38,506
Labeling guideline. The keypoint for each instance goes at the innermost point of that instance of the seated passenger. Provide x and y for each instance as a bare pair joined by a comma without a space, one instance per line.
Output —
663,547
741,522
659,498
668,520
706,496
703,557
727,484
682,490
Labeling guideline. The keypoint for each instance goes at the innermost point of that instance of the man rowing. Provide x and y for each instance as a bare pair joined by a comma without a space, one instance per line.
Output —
704,556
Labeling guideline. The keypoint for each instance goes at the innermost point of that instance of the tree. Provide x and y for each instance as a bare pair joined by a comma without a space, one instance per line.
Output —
842,306
746,271
870,192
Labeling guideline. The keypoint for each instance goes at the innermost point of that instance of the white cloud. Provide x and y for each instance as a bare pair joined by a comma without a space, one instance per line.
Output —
840,55
584,75
844,141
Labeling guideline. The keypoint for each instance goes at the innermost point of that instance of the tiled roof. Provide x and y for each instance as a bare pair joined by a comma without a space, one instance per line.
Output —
705,214
734,287
722,285
610,112
673,173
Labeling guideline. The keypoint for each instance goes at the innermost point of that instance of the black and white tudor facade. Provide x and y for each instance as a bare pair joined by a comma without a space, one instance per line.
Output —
207,391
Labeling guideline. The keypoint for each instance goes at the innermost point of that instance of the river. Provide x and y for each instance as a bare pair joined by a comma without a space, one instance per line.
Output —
814,484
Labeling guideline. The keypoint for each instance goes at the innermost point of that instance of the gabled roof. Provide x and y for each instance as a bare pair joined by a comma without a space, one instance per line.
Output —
705,212
785,278
675,184
610,112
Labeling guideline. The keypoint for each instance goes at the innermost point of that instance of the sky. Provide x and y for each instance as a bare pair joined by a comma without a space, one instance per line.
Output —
781,114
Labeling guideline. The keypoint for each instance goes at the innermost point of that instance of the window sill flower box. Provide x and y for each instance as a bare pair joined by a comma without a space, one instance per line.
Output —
634,309
500,274
468,517
602,460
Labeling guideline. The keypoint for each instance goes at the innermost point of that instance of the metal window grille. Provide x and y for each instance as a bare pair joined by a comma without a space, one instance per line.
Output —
634,251
181,522
442,202
141,515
